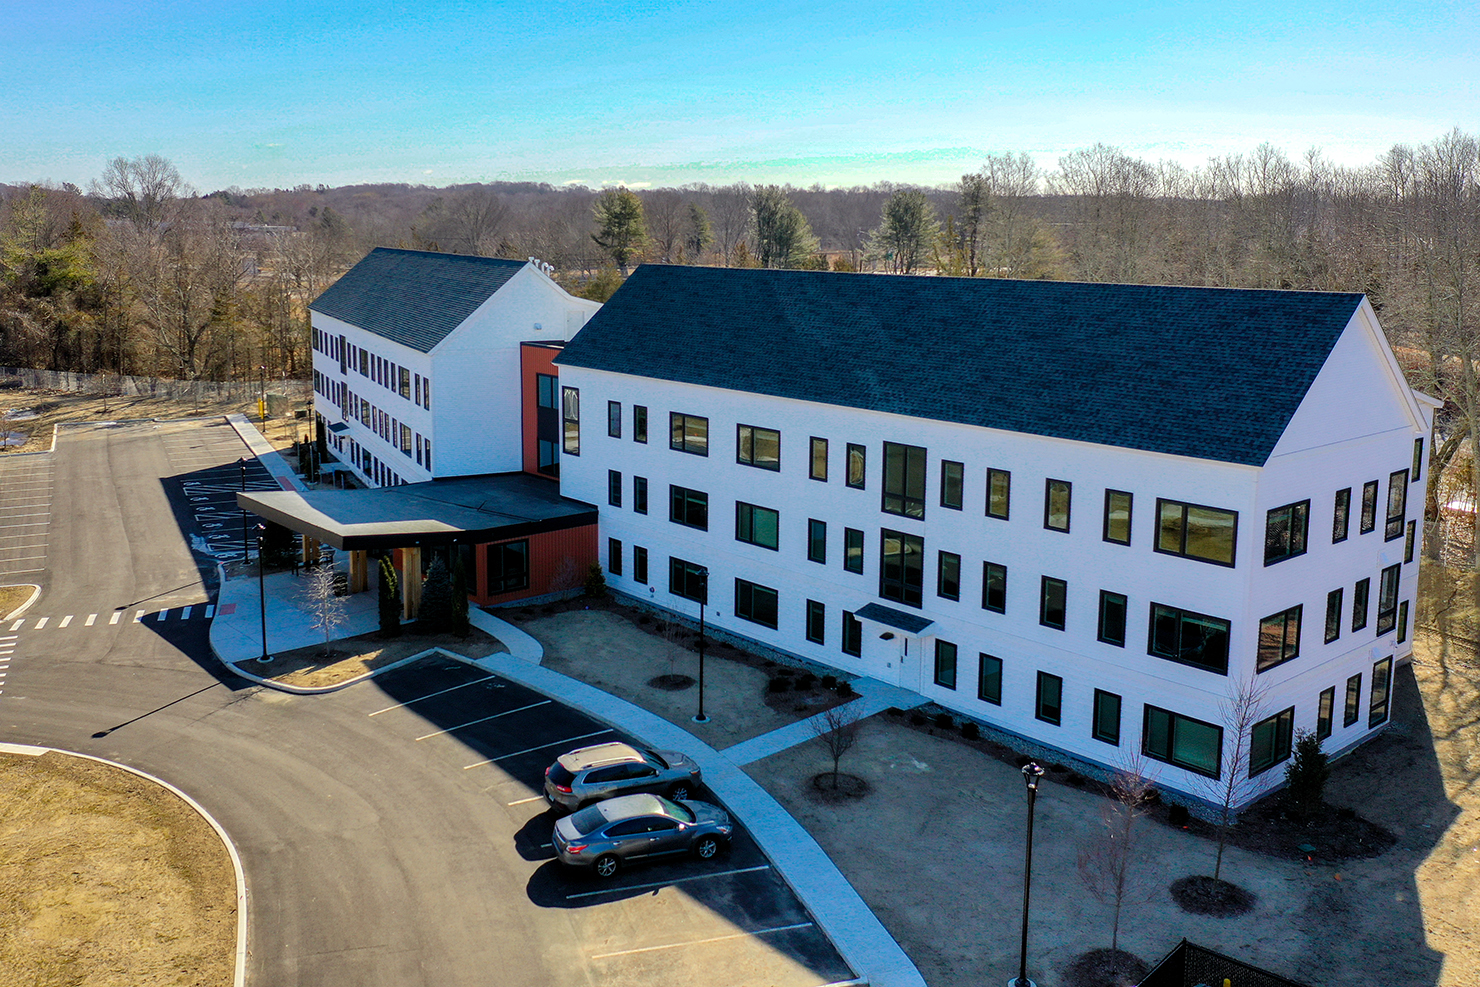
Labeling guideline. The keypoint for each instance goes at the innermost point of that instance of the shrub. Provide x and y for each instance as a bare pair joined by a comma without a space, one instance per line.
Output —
944,721
829,681
1022,760
846,689
1306,774
917,719
645,619
892,710
1076,779
807,681
779,684
1178,815
1057,768
1346,813
970,731
595,582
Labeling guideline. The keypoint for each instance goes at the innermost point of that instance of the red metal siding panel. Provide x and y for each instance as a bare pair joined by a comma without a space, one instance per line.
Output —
534,359
549,570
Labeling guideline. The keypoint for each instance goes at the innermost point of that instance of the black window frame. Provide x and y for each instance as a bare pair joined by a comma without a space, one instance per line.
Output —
614,556
989,678
1162,503
1048,502
683,578
815,445
856,453
639,565
1369,507
614,419
1098,718
1417,460
746,444
1182,614
947,586
1105,624
1325,712
994,476
1380,698
816,541
546,391
1396,513
640,494
1387,598
946,655
1054,713
679,434
695,503
1341,515
1170,755
905,480
1286,627
1110,497
1286,532
994,577
639,423
1402,627
746,529
853,550
902,573
952,484
1335,610
613,488
1410,541
1062,586
851,638
570,421
499,576
816,622
1361,603
1281,730
755,603
1352,707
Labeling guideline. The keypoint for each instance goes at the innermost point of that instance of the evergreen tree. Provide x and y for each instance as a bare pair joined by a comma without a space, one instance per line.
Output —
1306,774
621,226
434,616
459,598
390,599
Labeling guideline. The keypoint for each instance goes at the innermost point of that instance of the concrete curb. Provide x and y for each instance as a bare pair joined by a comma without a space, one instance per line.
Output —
263,451
240,977
305,690
35,595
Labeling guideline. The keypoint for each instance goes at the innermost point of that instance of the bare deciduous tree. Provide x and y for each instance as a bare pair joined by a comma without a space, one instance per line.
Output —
837,728
1107,860
1240,710
326,606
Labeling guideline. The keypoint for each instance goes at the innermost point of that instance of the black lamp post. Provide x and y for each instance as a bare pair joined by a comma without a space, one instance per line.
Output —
246,546
262,589
703,603
1032,772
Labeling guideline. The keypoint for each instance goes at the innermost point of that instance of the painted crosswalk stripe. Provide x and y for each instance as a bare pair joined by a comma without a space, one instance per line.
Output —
17,625
210,611
42,622
138,616
90,618
162,616
116,614
65,621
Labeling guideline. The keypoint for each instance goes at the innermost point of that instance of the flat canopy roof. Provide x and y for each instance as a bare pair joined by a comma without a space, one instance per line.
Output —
465,510
910,623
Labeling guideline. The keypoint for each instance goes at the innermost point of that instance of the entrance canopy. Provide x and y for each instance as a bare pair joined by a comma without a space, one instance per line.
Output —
466,510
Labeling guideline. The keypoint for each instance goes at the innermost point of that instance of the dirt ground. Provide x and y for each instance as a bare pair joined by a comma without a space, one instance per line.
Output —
12,597
108,879
356,656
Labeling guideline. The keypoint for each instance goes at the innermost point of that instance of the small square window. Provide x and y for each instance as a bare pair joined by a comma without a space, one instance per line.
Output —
1049,707
758,447
1269,741
756,603
1279,639
688,433
757,525
1284,532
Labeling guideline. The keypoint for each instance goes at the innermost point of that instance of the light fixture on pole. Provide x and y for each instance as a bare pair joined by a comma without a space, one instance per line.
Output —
262,590
1032,772
703,602
246,545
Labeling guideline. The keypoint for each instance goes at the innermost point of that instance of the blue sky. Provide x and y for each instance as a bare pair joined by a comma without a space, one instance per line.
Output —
277,93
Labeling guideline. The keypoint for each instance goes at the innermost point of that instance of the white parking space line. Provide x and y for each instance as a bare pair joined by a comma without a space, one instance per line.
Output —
91,618
700,942
65,621
485,719
28,524
664,884
531,750
537,798
430,694
116,614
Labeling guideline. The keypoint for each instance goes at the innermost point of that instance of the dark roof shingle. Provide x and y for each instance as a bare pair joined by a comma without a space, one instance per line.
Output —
1213,373
413,297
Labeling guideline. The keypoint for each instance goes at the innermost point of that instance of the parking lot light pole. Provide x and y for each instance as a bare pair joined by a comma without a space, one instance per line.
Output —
246,545
1031,773
262,590
703,603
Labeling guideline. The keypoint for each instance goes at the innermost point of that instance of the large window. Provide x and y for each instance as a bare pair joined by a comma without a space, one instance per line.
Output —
1269,741
816,622
1333,615
852,550
857,460
1117,517
1049,706
757,525
1387,599
994,587
570,403
901,567
755,603
639,423
999,493
1190,638
1051,601
1285,529
1195,532
904,480
1369,506
1353,700
948,576
1056,494
1107,717
1397,505
1279,638
639,494
1341,518
1112,618
817,463
1325,711
688,580
1360,593
945,664
688,433
1182,741
508,567
852,635
989,679
952,476
1382,682
614,419
758,447
688,507
816,541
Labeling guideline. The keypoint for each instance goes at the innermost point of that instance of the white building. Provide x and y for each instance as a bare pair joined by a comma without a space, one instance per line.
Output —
1083,514
416,361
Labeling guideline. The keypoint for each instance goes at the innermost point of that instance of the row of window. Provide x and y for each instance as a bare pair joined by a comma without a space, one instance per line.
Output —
1286,528
397,379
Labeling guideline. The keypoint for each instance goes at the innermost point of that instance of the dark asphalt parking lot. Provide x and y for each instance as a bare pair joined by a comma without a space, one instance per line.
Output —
670,921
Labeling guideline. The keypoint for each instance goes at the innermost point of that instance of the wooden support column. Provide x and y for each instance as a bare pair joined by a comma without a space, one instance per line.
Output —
410,582
359,572
310,550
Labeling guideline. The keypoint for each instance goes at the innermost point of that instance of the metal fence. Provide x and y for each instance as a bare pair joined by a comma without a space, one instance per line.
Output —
118,385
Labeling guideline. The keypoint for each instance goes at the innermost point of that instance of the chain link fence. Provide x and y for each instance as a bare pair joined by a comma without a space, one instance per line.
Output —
118,385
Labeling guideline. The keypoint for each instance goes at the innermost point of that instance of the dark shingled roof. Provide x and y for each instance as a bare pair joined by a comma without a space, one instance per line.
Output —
1214,373
413,297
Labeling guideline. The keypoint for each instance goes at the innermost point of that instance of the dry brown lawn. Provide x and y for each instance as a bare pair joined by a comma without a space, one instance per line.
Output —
106,878
353,657
12,597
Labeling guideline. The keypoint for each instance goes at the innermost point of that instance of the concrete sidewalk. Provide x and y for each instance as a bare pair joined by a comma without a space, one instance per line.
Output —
860,938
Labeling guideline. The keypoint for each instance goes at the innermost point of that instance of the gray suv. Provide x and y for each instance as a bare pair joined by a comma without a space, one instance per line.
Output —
605,771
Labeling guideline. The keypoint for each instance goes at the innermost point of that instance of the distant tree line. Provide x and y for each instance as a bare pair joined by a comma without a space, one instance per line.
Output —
140,274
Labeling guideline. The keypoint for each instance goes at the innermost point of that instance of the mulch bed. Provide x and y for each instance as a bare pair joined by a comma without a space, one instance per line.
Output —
1105,968
1203,895
1270,828
672,682
849,788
